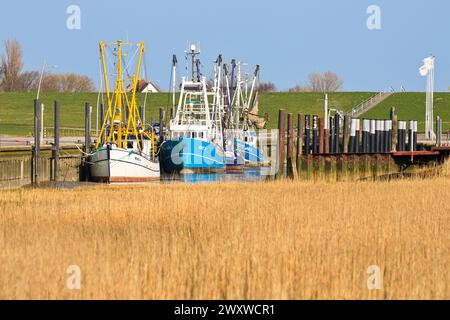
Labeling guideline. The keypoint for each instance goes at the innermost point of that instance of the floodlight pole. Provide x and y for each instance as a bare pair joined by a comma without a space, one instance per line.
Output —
429,125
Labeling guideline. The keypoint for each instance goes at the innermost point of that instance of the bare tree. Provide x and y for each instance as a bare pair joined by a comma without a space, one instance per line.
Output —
320,82
266,87
66,82
28,81
11,65
300,88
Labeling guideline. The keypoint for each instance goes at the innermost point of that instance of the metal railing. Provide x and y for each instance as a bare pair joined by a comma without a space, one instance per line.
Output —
368,104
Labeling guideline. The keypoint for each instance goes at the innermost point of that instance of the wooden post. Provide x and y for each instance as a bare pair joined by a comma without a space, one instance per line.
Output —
321,135
291,167
87,138
161,124
87,128
336,134
55,148
345,136
281,142
394,138
326,142
37,142
299,141
438,131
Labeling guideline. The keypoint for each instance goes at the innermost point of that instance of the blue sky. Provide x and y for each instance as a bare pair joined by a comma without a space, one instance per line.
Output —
288,38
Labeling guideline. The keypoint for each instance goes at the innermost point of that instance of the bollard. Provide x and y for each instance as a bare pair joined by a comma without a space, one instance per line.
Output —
307,134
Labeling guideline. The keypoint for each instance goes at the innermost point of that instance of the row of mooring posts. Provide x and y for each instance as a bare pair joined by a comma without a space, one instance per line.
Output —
36,148
342,135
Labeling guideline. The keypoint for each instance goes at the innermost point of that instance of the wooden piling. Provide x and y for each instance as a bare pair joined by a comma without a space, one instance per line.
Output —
55,149
345,135
87,128
321,135
326,142
281,142
394,137
299,142
161,124
37,142
291,165
336,134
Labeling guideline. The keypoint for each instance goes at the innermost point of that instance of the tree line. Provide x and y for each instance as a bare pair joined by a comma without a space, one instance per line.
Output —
317,82
13,79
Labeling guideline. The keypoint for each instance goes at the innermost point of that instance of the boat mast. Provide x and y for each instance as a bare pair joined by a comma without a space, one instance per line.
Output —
193,52
174,81
114,130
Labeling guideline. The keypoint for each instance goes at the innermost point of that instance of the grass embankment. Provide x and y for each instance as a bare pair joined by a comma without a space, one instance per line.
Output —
16,109
411,106
275,240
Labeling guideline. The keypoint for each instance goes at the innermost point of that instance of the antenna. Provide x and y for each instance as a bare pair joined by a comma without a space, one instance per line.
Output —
193,52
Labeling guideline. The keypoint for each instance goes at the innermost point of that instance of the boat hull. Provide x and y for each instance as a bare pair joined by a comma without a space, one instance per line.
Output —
252,155
111,164
191,156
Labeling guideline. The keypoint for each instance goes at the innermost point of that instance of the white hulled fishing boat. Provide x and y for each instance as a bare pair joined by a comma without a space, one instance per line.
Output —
125,151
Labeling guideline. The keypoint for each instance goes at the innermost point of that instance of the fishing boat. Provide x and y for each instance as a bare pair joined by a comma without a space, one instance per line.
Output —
242,115
125,151
195,142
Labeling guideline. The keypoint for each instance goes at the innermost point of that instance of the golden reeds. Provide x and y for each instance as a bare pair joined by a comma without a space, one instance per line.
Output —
276,240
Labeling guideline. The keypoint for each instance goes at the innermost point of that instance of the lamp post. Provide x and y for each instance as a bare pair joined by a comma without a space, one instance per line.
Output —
44,66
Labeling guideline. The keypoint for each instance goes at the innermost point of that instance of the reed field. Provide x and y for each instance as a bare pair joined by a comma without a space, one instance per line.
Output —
267,240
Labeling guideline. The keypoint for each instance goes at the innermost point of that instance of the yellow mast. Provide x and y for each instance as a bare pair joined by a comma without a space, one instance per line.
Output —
118,132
